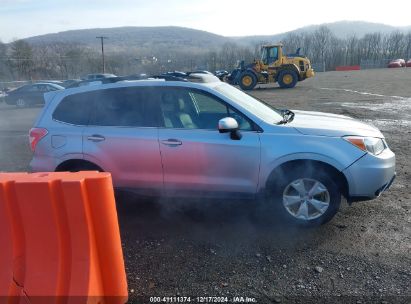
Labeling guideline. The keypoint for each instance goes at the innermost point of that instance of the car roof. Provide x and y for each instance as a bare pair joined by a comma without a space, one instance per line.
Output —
271,45
56,85
144,82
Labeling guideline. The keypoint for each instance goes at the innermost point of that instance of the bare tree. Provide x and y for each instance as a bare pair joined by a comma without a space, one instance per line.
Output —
395,44
351,54
22,58
4,71
408,45
322,40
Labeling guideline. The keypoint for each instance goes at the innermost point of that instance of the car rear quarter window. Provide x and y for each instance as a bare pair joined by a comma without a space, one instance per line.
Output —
75,109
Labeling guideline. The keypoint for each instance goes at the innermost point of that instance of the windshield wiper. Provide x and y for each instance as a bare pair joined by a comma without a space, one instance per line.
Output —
288,116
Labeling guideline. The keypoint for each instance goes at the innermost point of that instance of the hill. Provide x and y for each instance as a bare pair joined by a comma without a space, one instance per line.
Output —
341,29
174,38
131,37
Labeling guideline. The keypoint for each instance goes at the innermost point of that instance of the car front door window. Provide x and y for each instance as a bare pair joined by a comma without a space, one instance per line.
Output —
192,109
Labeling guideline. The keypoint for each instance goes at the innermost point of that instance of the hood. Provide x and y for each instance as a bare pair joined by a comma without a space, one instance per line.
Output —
326,124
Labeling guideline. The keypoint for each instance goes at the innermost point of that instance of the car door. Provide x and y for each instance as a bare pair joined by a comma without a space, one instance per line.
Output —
37,94
199,160
30,94
122,138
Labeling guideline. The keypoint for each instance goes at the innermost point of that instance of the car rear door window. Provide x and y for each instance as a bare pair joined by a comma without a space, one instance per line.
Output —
33,88
42,88
125,107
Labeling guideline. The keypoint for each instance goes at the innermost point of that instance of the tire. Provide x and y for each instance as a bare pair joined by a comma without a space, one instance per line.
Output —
287,79
290,197
21,103
247,81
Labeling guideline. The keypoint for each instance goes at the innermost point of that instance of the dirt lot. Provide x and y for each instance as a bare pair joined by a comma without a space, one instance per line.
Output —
362,256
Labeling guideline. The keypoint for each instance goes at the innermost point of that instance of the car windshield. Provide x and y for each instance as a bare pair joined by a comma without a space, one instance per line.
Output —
258,107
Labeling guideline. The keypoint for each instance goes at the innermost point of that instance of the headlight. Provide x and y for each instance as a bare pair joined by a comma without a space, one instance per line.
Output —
372,145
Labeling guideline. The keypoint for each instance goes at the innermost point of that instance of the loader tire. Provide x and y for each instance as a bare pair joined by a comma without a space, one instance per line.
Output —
287,79
247,81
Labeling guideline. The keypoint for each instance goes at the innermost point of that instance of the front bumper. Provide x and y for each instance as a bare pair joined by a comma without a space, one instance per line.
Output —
370,176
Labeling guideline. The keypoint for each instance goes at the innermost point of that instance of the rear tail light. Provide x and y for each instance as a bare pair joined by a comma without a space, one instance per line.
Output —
35,135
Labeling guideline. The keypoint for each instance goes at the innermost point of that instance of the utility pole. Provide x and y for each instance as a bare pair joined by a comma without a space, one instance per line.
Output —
102,51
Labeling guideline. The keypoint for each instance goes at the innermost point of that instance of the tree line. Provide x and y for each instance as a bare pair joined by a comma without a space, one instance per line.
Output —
328,51
21,61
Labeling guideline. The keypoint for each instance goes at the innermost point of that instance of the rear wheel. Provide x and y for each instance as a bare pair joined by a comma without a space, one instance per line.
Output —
305,196
287,79
248,81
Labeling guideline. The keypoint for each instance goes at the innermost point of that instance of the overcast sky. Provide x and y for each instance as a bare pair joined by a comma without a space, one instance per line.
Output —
25,18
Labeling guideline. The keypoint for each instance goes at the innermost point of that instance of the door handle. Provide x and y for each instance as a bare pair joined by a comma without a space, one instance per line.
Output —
171,142
96,138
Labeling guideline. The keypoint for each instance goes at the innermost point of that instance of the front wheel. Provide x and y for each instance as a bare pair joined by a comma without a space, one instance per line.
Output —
248,81
305,196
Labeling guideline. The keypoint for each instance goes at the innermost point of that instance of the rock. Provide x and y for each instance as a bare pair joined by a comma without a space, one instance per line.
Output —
277,300
258,255
380,290
319,269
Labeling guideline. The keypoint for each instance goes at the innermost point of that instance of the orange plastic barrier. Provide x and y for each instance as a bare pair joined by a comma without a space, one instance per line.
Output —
59,239
348,68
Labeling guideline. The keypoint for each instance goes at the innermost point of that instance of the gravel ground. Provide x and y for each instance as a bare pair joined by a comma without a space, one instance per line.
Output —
206,249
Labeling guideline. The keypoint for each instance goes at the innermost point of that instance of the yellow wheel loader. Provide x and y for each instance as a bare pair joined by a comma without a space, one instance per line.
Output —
274,66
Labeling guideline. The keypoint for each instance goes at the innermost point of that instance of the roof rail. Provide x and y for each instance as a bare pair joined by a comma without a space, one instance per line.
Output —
168,78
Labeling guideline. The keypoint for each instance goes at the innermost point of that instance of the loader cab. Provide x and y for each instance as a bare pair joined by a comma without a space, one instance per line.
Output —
270,54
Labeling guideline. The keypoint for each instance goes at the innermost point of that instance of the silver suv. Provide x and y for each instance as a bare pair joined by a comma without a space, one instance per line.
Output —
179,138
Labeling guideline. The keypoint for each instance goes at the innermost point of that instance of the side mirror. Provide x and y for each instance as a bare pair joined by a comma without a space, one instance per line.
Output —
229,124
